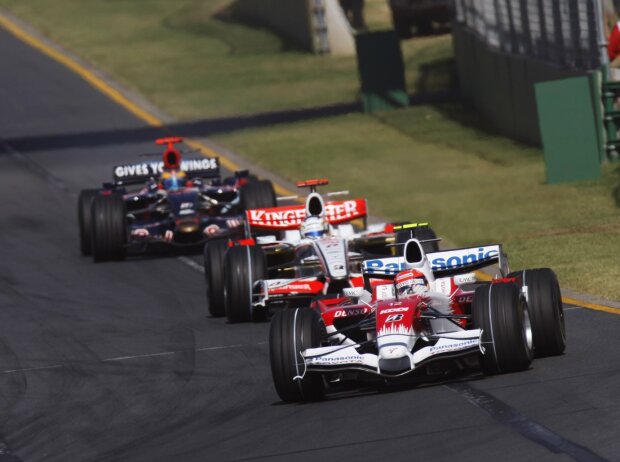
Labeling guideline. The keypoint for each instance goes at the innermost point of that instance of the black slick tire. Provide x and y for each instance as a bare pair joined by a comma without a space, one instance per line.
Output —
109,227
85,202
293,331
546,310
214,254
257,195
244,265
501,311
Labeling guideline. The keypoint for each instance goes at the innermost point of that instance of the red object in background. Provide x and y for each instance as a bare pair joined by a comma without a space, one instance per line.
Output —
613,45
305,184
242,242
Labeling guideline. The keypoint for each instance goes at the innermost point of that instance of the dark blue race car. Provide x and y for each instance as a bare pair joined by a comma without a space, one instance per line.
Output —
172,203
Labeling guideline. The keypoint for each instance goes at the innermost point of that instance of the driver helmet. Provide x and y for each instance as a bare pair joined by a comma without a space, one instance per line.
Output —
314,227
172,180
410,282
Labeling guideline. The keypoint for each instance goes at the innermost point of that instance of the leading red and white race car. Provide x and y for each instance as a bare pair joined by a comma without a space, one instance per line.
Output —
311,250
420,316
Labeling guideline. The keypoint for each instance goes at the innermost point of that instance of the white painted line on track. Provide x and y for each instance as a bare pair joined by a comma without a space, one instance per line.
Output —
126,358
168,353
192,264
31,369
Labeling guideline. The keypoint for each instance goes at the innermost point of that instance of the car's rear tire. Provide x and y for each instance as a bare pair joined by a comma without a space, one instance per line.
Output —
214,254
85,202
257,195
244,265
421,233
501,311
546,310
109,227
293,331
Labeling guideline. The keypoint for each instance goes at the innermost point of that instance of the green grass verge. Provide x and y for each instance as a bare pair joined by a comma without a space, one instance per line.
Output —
193,65
428,163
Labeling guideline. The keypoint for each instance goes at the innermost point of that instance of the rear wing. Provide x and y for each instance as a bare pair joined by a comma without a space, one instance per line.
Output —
202,167
443,263
290,217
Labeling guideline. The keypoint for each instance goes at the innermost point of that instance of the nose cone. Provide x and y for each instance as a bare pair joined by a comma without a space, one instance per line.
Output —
393,352
395,358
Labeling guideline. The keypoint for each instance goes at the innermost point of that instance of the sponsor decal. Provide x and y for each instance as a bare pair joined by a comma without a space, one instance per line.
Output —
277,218
443,286
291,216
395,318
468,278
394,310
411,282
332,360
285,286
384,292
455,259
392,265
465,299
156,168
446,347
350,312
307,287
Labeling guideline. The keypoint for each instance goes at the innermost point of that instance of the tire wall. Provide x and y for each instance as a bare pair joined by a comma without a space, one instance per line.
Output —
500,86
317,26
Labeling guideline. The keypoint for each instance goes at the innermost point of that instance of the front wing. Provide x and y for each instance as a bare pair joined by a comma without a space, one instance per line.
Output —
346,357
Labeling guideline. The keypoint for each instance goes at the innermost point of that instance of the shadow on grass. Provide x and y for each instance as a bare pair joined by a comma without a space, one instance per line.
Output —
233,14
199,128
213,126
192,129
443,70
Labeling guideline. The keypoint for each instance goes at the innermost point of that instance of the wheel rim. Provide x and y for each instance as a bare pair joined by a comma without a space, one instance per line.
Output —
527,329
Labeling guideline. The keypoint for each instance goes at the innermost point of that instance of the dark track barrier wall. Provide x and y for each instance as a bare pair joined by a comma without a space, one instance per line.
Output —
500,86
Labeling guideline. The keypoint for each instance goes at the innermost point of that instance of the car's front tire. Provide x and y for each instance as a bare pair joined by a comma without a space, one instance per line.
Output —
244,266
546,310
85,202
214,255
109,227
293,331
501,312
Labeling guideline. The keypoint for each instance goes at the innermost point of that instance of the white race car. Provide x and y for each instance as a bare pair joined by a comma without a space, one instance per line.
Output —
418,316
312,250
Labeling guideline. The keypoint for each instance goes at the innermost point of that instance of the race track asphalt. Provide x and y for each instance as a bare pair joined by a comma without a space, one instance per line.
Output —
119,362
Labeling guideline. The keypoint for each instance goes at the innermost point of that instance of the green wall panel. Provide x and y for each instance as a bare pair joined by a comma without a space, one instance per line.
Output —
568,129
